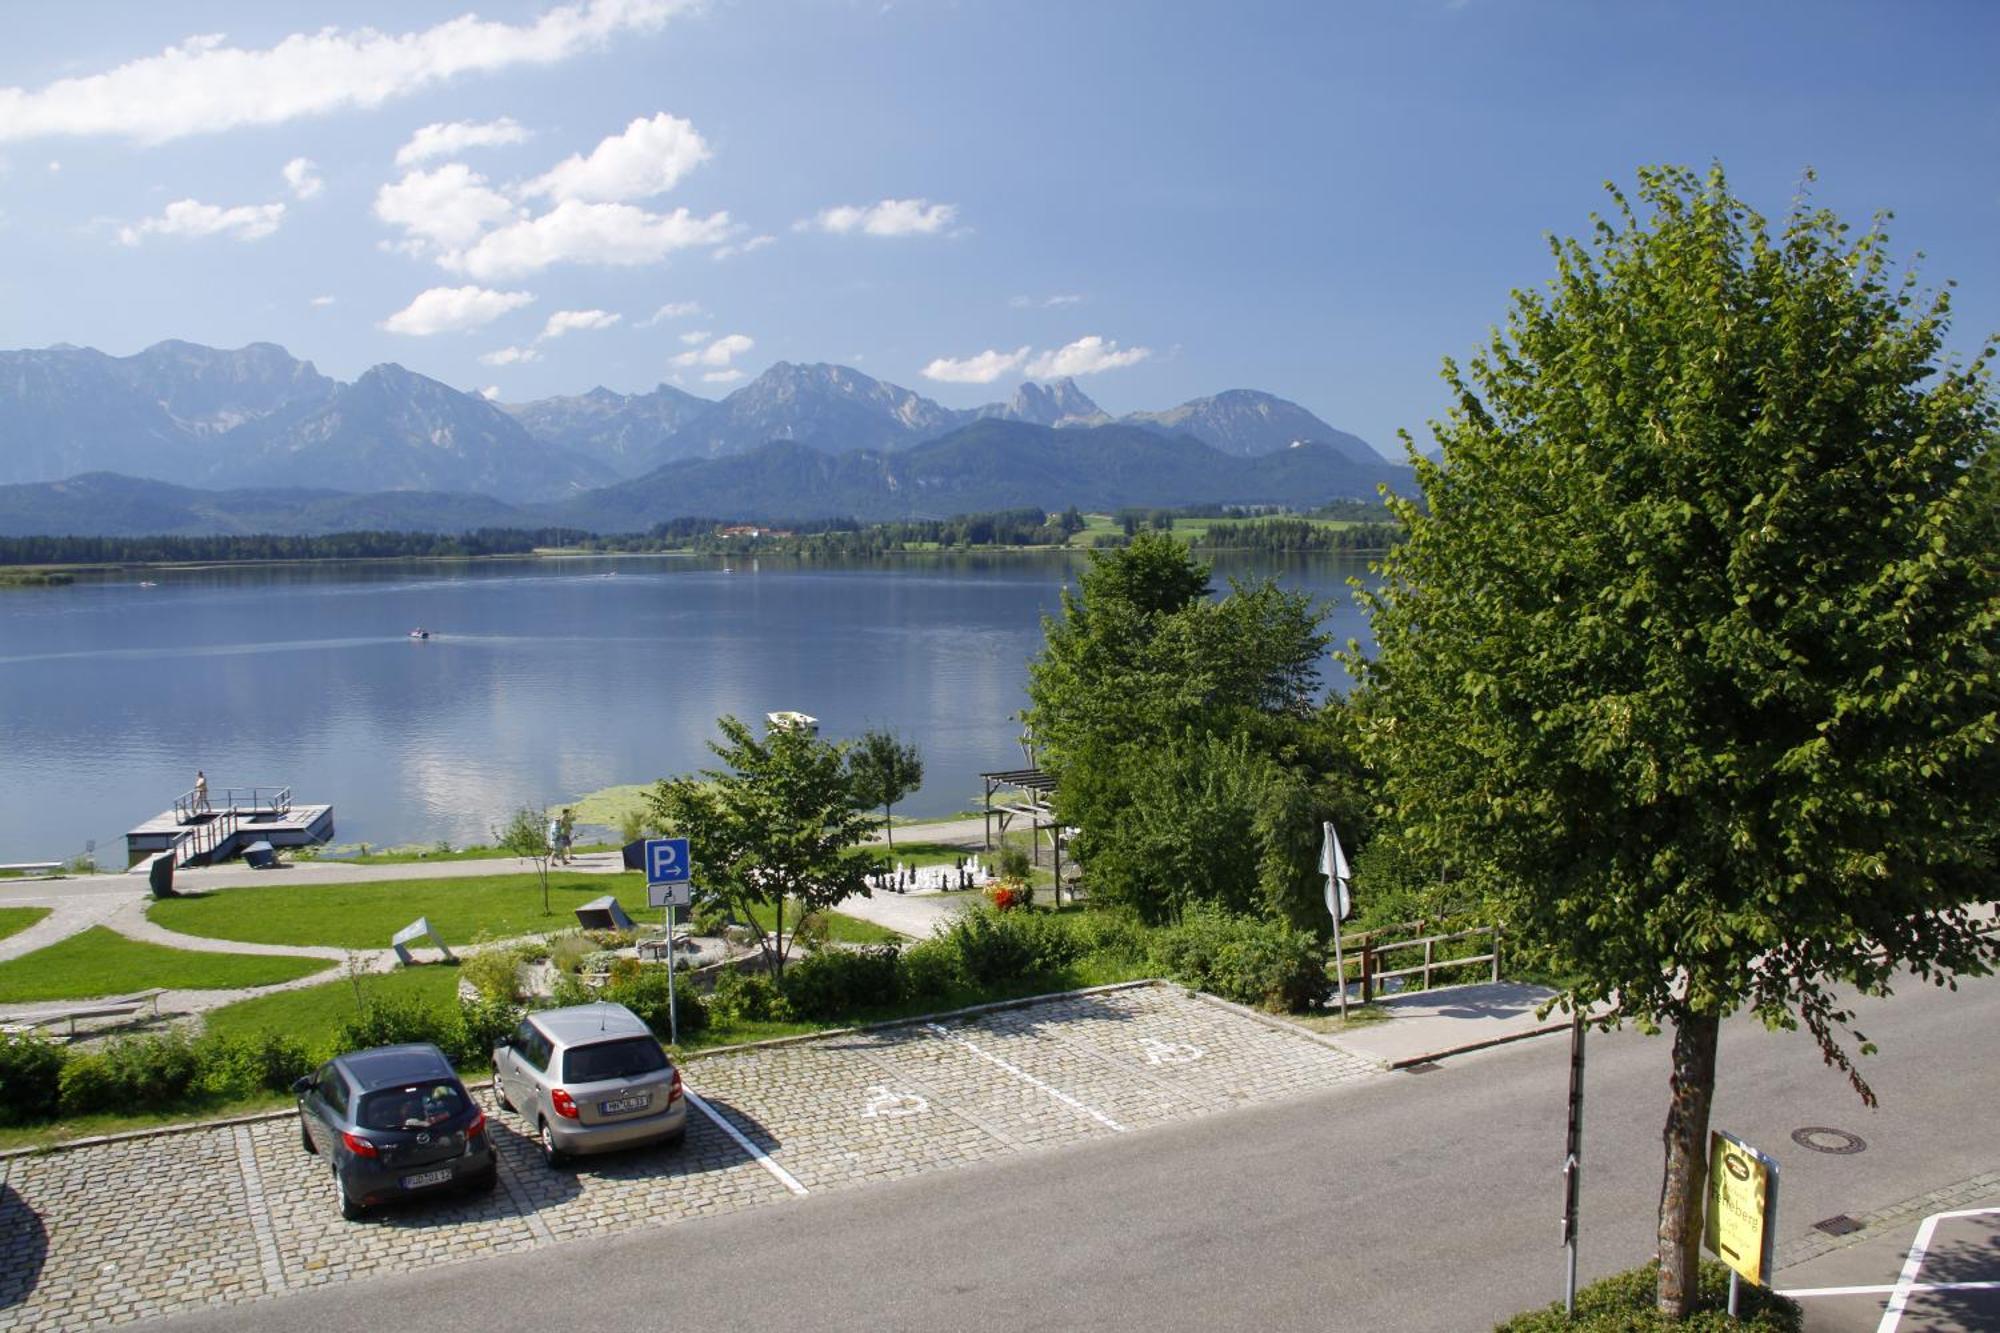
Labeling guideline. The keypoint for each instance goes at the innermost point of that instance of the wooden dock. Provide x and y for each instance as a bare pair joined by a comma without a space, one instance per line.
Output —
200,831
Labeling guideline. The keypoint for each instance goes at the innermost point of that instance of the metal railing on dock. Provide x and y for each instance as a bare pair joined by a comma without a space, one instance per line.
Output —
189,807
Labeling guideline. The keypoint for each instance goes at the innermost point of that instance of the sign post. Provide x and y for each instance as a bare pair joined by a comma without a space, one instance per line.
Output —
668,866
1333,864
1742,1219
1573,1158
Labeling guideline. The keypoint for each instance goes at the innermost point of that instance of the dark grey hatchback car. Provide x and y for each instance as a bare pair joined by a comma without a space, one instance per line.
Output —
393,1122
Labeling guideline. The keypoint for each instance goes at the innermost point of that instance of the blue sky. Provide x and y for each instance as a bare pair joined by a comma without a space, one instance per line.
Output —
1317,199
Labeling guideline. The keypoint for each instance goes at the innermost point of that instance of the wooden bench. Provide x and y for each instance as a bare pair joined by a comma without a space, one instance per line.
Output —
120,1007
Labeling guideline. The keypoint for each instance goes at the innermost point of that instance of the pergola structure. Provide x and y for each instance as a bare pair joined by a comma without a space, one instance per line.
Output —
1028,792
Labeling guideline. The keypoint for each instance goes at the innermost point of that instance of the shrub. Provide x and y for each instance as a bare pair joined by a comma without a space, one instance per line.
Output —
598,962
240,1066
1624,1303
483,1023
1006,896
747,997
86,1085
930,969
154,1070
997,947
833,983
813,930
495,973
1262,963
646,995
392,1022
567,952
1014,864
1111,936
30,1078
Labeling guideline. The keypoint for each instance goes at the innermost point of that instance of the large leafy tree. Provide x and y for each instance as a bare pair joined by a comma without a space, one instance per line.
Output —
775,825
1172,722
1689,657
884,770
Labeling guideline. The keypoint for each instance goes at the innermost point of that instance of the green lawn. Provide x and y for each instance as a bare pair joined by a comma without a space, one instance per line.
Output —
14,920
102,962
364,916
314,1013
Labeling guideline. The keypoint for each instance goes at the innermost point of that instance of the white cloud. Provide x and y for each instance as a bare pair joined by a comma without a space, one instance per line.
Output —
491,393
204,85
508,356
891,217
577,321
719,353
453,310
443,138
323,300
54,167
751,246
984,368
694,337
722,377
577,232
1059,299
1086,356
671,310
648,158
445,209
188,217
304,180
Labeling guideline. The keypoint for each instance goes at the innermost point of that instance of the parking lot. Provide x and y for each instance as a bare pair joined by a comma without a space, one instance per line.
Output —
1940,1274
143,1227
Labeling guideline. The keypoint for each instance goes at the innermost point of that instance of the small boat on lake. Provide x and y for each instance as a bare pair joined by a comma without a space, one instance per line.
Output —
420,633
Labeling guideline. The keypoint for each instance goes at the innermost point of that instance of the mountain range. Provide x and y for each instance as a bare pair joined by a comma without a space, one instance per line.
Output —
299,450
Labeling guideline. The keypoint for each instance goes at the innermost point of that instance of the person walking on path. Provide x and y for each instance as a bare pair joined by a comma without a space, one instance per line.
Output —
200,805
566,832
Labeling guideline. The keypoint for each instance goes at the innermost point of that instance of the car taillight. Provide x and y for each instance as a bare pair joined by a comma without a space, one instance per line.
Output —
357,1145
674,1088
564,1103
478,1125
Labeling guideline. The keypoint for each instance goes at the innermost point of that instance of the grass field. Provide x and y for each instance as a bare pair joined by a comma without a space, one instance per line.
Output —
102,962
314,1013
1188,529
14,920
364,916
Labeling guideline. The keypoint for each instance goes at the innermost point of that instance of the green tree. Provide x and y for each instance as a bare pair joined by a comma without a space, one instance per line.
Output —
884,770
527,836
1162,712
1689,657
776,825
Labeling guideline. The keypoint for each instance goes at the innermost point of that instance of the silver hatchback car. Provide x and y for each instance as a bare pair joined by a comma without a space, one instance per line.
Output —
589,1078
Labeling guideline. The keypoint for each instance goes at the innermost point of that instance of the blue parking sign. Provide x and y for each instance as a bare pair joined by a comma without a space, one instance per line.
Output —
667,861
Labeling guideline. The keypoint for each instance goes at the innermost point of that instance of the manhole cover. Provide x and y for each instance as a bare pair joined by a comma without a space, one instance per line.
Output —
1838,1142
1839,1225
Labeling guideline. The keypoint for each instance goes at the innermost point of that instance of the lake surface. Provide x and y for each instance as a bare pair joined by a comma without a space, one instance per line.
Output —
543,680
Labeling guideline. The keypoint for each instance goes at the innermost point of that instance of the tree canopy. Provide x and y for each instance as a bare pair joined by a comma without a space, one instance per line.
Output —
884,770
777,824
1689,658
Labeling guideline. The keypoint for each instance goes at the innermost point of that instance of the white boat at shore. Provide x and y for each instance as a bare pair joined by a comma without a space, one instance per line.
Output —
787,720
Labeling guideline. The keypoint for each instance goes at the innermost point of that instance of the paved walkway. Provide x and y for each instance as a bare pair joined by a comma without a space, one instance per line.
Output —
1436,1023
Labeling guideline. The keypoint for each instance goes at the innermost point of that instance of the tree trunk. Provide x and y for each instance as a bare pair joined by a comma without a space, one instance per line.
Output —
888,829
1684,1184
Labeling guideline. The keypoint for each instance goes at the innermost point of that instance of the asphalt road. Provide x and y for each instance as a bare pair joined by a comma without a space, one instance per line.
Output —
1413,1201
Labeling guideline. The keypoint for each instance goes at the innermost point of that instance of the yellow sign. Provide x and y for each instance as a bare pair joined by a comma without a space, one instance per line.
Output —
1742,1206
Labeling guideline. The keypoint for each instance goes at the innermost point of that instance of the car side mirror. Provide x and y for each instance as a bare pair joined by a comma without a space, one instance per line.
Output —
302,1085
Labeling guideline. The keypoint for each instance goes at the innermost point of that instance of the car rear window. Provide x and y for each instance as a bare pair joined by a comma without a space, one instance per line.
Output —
414,1106
628,1057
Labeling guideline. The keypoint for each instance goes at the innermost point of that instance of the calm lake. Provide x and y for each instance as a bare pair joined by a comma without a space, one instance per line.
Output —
543,680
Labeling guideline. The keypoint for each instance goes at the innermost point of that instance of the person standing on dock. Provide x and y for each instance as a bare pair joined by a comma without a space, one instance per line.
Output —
200,792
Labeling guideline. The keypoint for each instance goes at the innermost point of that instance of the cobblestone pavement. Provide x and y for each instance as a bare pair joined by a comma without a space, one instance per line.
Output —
122,1231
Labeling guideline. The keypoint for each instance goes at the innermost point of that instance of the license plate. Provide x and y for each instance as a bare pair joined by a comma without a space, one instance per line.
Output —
424,1178
624,1104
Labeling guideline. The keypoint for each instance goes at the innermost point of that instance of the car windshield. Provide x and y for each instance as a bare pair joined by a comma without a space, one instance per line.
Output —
628,1057
416,1106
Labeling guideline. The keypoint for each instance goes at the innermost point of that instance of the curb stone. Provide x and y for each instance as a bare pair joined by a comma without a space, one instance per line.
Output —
1945,1198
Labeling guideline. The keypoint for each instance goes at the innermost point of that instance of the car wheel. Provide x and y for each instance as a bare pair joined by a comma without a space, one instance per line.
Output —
349,1209
306,1139
500,1095
551,1154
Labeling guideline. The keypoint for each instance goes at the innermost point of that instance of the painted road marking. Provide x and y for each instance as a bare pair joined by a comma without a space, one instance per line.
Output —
1907,1284
886,1104
1028,1078
1882,1288
1169,1052
784,1177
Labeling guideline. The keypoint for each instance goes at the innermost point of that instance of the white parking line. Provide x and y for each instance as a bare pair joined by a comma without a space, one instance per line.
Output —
784,1177
1907,1284
1883,1288
1026,1077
